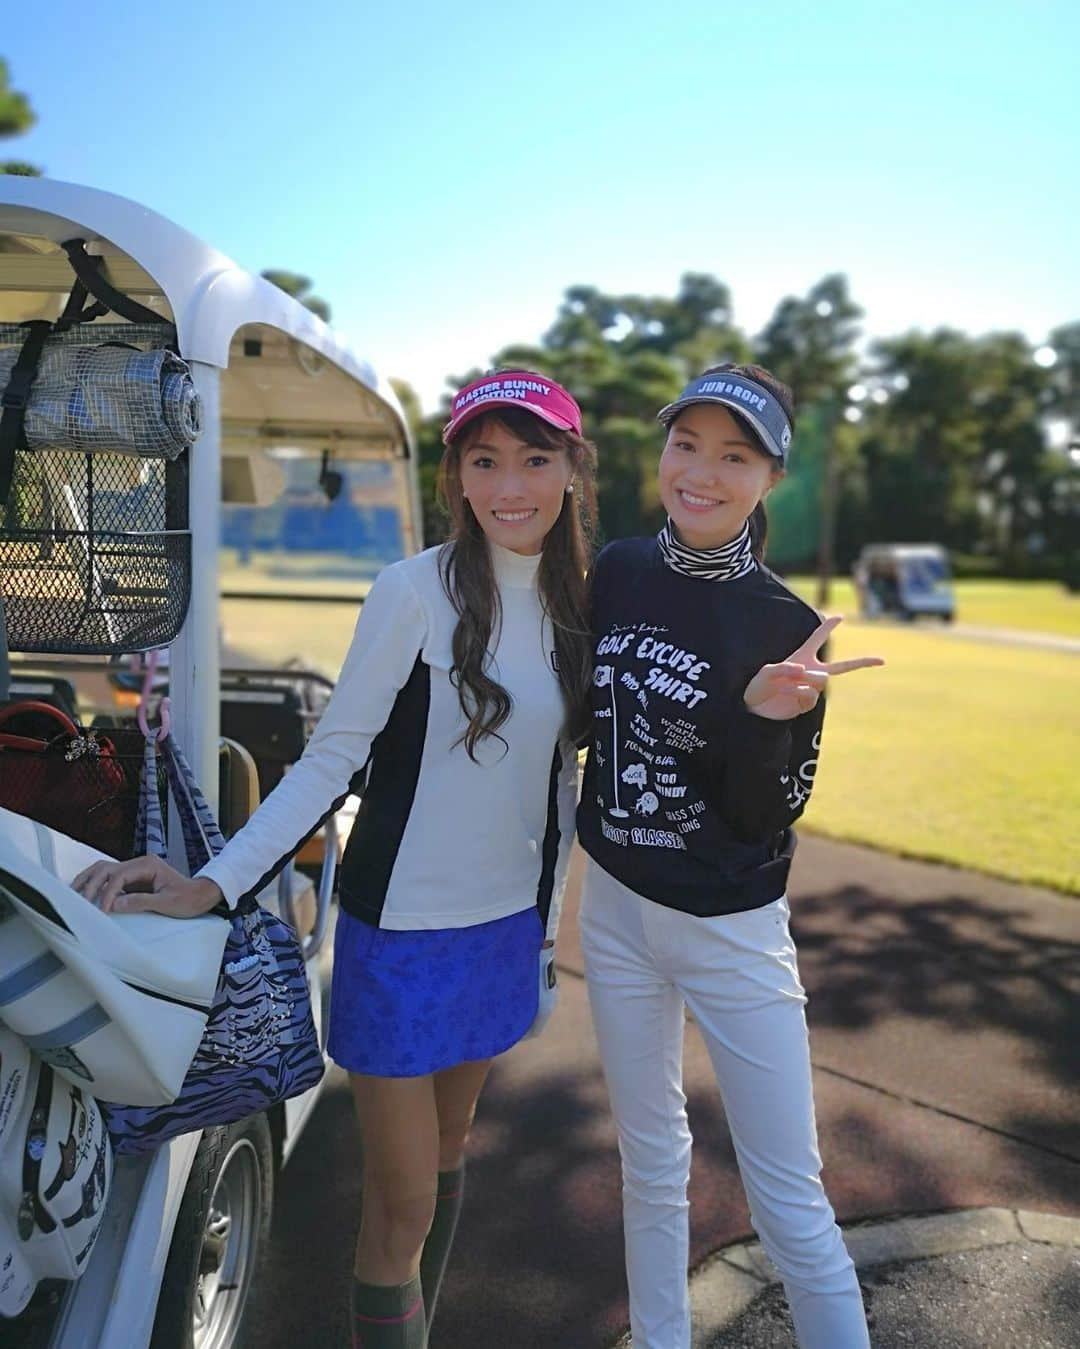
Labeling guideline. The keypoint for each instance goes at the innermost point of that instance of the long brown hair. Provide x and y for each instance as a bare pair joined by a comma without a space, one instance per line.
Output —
469,578
759,520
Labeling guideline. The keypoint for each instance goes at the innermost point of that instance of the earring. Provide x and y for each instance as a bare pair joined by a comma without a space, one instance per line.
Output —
570,490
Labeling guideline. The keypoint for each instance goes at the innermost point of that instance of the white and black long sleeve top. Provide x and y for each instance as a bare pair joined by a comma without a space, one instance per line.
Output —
688,798
440,841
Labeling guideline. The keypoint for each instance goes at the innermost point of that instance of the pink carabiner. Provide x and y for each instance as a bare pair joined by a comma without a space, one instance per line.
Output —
144,700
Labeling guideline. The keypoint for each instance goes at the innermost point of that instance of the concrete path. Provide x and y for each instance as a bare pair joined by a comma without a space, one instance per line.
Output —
969,1280
943,1035
1046,641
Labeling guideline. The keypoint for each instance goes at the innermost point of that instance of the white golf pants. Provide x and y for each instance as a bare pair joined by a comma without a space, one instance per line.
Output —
739,978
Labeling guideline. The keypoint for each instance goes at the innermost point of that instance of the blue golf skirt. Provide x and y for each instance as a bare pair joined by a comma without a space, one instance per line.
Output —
403,1004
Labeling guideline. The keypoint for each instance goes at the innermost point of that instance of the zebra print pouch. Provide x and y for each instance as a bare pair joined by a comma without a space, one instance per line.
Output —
260,1045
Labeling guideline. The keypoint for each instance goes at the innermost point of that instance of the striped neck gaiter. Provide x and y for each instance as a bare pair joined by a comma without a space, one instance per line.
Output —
728,563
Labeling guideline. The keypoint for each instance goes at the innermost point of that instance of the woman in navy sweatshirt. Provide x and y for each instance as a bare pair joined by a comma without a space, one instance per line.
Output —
707,725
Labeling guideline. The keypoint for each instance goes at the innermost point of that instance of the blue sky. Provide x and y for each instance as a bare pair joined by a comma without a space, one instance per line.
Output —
443,171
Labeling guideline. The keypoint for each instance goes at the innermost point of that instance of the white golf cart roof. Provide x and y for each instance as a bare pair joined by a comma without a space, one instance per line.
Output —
318,389
274,381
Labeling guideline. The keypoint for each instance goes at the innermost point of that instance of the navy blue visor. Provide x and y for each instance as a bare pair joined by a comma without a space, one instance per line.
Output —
745,396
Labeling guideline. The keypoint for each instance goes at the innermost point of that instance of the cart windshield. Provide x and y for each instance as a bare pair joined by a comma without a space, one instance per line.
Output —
926,574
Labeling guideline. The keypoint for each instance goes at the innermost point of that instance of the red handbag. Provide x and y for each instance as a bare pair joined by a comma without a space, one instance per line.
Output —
56,773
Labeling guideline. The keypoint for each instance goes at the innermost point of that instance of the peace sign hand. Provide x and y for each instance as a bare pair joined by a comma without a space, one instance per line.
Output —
780,692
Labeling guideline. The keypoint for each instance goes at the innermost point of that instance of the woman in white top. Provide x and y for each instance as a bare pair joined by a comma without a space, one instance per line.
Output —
459,704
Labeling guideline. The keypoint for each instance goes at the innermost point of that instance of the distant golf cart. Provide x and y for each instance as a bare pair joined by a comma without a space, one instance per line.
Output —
904,580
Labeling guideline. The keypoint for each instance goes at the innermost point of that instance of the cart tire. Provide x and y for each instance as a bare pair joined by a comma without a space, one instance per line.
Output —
219,1241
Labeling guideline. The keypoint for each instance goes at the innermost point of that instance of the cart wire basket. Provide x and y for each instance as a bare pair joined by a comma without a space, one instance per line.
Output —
95,550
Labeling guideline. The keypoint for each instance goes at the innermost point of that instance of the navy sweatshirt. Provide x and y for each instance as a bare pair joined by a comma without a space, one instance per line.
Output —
688,798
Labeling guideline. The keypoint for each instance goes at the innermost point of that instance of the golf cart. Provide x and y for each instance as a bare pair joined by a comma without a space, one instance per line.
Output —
904,580
103,556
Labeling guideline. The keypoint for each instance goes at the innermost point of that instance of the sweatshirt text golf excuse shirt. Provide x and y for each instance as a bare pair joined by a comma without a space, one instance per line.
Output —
688,797
440,841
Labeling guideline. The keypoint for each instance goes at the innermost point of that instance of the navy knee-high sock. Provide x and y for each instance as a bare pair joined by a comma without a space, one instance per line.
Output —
448,1200
388,1317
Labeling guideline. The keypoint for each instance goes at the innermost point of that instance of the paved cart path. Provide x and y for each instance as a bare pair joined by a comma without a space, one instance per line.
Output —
1046,641
940,1030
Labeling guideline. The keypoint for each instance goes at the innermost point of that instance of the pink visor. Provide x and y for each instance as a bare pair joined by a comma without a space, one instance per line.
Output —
514,388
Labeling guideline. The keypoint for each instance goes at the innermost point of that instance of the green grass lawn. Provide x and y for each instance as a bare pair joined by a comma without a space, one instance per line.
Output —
296,573
270,632
1035,606
961,752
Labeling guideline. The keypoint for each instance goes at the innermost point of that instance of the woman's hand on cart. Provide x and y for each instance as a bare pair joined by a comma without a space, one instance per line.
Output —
792,687
146,885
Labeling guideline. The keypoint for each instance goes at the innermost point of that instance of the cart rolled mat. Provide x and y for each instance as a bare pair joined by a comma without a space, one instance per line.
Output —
116,1003
107,397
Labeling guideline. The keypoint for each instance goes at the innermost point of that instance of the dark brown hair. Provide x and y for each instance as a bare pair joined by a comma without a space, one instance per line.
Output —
759,521
469,578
